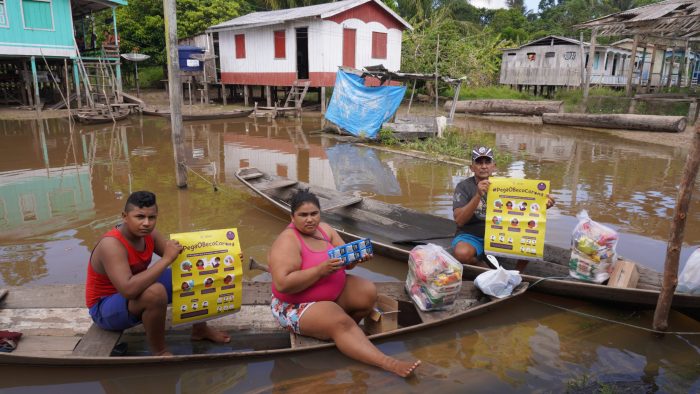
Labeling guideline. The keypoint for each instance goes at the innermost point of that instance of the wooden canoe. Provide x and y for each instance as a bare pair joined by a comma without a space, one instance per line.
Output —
241,113
90,117
395,230
57,329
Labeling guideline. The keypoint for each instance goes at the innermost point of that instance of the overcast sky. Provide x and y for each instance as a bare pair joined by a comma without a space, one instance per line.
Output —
530,4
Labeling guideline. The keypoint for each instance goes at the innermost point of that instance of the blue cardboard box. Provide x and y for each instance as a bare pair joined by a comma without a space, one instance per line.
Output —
352,251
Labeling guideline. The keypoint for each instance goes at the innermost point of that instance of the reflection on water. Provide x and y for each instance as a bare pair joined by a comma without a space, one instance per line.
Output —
522,347
60,190
359,169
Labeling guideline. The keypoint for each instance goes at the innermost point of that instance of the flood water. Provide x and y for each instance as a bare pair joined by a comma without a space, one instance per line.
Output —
60,190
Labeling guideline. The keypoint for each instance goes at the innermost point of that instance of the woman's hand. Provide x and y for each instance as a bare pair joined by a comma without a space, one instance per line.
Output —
362,260
329,266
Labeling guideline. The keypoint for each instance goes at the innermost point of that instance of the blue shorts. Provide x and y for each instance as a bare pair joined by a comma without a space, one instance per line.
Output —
473,240
112,312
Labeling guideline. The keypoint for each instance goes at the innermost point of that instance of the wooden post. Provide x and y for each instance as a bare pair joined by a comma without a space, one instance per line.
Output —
437,54
224,93
410,101
630,72
663,67
673,250
670,67
589,66
323,99
175,87
681,65
268,96
66,80
651,68
76,81
245,95
35,79
583,65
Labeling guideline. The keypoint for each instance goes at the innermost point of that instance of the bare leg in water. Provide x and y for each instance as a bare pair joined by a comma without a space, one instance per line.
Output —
327,320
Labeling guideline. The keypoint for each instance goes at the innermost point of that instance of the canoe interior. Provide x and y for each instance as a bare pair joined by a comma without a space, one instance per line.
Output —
395,230
55,322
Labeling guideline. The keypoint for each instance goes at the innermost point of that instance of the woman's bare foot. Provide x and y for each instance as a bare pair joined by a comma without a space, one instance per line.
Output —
401,368
202,331
163,353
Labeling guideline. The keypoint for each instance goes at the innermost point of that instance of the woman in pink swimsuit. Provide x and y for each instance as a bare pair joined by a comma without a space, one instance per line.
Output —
312,294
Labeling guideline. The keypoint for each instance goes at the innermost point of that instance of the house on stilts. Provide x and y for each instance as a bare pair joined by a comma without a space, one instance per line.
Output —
50,47
554,61
285,48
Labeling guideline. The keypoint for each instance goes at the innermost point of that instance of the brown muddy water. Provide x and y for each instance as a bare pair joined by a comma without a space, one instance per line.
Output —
59,191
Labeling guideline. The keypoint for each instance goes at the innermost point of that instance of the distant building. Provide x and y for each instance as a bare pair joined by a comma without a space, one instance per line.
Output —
276,48
560,61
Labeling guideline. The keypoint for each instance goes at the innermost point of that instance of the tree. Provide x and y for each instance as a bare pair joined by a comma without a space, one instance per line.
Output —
141,22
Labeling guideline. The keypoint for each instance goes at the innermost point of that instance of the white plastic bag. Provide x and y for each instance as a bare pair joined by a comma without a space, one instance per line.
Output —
689,279
592,250
498,282
434,277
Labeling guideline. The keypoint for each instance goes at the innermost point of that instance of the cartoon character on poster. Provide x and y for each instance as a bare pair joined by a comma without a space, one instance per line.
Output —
517,227
206,276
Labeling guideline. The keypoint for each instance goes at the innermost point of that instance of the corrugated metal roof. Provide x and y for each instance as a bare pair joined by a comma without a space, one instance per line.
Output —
313,11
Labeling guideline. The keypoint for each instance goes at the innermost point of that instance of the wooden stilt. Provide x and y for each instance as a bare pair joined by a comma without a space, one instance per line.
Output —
630,71
323,99
268,96
673,251
35,79
224,93
245,95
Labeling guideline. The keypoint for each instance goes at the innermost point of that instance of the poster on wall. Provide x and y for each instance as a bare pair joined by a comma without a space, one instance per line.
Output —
206,276
516,218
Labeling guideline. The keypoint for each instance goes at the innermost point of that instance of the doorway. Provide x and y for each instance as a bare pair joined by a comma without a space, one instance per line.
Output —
302,52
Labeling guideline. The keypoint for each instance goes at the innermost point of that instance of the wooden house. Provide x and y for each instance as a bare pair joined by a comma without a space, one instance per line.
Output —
41,37
661,61
555,61
277,48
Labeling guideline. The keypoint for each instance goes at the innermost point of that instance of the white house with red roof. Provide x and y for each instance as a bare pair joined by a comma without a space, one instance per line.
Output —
276,48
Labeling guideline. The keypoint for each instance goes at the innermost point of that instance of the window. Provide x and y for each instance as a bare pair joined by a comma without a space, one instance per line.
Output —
37,14
549,54
531,56
240,46
378,45
3,15
280,50
27,205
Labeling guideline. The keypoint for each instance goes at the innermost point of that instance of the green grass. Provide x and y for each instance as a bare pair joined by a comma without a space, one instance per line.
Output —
492,92
453,144
149,77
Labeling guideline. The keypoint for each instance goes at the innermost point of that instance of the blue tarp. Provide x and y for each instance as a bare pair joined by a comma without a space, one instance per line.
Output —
359,169
359,109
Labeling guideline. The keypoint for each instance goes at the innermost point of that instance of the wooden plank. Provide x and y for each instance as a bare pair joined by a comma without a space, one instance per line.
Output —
97,342
46,346
277,184
327,205
252,175
301,341
460,305
46,321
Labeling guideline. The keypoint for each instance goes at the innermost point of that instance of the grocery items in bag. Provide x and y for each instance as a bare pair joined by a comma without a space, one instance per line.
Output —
592,250
689,279
434,277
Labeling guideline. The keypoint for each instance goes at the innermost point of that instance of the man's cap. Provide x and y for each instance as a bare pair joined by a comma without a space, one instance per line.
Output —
482,151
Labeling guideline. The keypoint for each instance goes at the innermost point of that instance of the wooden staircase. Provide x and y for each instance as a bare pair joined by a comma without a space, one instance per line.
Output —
297,94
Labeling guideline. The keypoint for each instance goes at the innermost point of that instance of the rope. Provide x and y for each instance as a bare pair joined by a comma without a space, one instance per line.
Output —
615,321
246,202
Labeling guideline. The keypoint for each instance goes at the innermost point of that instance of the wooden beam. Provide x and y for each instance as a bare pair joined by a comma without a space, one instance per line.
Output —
681,65
670,67
35,79
675,242
651,68
630,72
589,66
175,87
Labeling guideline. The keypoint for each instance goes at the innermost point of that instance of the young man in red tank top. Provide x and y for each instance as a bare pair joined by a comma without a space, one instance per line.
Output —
124,289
